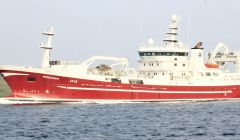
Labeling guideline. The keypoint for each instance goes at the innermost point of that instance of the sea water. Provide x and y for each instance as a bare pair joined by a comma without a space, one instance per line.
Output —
215,120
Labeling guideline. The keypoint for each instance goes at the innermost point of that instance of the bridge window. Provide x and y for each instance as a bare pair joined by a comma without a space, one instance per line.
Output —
163,54
169,53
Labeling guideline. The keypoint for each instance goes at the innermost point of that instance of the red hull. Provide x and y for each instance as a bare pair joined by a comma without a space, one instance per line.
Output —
43,86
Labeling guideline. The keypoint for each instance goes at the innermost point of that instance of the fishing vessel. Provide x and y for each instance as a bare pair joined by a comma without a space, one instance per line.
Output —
169,72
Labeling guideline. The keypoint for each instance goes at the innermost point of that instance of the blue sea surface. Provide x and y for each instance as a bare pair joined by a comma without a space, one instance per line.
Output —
215,120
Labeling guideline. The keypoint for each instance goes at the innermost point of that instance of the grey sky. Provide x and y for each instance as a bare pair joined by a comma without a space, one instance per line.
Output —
110,27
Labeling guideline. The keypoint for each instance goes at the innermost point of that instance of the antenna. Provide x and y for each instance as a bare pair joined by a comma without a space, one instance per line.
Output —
189,29
172,33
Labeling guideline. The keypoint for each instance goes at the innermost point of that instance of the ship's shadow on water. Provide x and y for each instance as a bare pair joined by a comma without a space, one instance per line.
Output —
168,120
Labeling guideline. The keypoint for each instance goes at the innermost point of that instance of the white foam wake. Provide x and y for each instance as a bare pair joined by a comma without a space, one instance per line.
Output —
6,102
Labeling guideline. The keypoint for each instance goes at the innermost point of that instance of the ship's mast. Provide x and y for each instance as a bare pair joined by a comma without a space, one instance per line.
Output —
47,48
172,39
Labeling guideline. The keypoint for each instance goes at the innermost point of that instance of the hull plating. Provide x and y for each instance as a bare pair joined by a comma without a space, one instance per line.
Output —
42,86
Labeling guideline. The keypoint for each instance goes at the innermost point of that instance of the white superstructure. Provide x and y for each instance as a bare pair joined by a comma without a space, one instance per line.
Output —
173,63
